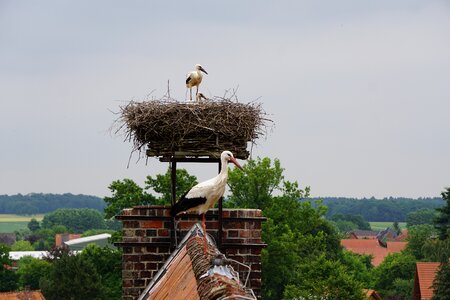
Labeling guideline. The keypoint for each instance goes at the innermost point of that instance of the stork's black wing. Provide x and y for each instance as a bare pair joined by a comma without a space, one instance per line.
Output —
186,203
188,79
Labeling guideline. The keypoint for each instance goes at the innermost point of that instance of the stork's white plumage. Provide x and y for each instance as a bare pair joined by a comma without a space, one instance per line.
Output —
194,78
205,195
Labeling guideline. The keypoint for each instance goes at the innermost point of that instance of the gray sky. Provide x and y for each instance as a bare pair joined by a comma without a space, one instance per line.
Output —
359,90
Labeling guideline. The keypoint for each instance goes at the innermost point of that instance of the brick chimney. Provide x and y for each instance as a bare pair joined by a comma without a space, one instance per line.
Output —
148,241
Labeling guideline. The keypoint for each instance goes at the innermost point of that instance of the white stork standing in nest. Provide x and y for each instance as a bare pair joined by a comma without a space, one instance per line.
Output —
194,78
203,196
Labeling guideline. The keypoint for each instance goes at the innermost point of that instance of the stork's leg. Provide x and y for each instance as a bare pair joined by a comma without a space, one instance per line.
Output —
190,90
204,233
196,93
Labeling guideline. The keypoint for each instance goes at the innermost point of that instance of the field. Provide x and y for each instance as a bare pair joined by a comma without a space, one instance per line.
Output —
10,223
382,225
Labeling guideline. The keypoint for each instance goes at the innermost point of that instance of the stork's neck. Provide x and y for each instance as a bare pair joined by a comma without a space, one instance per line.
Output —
224,169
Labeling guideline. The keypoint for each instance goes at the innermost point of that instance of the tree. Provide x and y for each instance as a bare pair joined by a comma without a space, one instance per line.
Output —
47,236
162,184
31,270
325,279
442,221
345,226
417,236
75,219
22,246
359,266
396,228
125,193
420,217
296,234
301,242
253,186
395,266
33,225
8,278
436,250
358,220
72,277
108,264
441,283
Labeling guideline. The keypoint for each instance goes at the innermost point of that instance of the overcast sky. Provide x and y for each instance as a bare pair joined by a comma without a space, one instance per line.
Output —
359,91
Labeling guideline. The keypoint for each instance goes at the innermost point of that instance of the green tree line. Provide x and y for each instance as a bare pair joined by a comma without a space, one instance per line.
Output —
380,210
38,203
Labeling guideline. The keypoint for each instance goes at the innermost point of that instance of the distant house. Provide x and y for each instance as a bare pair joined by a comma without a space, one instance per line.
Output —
101,240
373,247
60,238
372,295
362,234
387,234
423,280
23,295
7,238
16,255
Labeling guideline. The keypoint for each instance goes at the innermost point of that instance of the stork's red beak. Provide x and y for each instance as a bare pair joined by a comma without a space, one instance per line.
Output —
234,161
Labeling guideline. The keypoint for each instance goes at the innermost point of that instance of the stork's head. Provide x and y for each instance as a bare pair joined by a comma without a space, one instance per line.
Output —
200,68
228,156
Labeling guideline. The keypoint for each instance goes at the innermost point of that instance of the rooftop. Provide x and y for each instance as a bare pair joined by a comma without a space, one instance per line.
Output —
191,274
80,243
27,295
372,247
425,273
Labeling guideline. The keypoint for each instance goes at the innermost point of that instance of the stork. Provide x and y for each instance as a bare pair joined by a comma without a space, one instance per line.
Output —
205,195
200,96
194,78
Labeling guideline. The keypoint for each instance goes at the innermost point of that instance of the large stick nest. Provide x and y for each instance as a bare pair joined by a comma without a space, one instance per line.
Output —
167,127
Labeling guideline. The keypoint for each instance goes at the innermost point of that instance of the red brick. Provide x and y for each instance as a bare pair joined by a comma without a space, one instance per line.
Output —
139,282
244,251
212,225
233,233
130,224
256,233
145,274
127,239
152,224
225,214
256,251
231,251
186,224
139,266
244,233
127,283
151,266
163,232
234,225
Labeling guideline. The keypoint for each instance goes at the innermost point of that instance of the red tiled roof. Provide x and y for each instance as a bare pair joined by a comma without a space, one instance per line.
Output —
30,295
372,247
372,294
426,271
394,247
189,274
180,282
